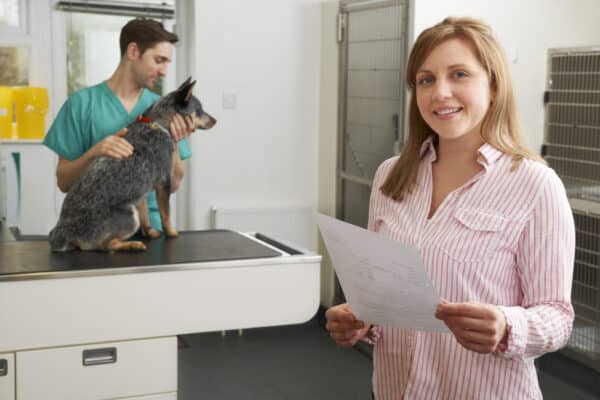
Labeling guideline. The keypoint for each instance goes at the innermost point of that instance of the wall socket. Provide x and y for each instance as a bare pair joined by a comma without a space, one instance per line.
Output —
229,100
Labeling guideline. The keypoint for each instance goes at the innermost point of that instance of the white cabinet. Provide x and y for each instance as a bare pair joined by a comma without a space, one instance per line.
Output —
31,198
7,376
137,369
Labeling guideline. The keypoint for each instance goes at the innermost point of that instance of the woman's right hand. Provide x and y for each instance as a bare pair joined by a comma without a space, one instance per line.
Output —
112,146
343,326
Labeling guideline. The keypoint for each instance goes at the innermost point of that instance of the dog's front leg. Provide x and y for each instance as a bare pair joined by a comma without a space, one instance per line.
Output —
146,228
162,198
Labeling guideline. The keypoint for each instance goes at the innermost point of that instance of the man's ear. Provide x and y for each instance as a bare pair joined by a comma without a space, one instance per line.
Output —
133,51
184,92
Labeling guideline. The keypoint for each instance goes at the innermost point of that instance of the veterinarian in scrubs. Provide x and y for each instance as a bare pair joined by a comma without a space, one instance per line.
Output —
92,121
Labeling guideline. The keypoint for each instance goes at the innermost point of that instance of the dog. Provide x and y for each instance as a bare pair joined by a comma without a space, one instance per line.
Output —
106,205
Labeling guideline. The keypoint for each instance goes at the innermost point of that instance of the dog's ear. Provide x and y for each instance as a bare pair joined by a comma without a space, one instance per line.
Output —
184,84
184,93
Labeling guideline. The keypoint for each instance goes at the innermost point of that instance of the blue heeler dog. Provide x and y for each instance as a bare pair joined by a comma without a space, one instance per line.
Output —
107,205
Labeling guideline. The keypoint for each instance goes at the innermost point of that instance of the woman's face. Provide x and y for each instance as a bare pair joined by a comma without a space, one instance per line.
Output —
453,90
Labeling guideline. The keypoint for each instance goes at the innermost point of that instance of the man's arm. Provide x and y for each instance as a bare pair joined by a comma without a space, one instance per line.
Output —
180,127
67,172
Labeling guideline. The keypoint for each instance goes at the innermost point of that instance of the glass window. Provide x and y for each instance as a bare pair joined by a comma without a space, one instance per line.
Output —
14,65
93,46
10,13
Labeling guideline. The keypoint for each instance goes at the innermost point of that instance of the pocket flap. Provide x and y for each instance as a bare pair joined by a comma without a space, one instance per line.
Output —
481,220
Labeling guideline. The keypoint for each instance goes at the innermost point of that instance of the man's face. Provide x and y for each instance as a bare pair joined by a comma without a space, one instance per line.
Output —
151,66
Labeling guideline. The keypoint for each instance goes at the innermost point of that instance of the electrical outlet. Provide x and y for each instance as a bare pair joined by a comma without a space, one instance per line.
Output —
229,100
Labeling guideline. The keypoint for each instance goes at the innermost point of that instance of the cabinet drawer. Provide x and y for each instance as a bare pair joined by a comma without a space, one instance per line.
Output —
98,371
7,376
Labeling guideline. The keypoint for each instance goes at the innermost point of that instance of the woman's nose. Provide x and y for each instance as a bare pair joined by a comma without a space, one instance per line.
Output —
441,90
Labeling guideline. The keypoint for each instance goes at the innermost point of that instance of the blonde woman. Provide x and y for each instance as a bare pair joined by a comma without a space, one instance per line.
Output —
493,224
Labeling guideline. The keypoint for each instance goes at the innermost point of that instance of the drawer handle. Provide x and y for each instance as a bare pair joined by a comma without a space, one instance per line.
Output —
107,355
3,367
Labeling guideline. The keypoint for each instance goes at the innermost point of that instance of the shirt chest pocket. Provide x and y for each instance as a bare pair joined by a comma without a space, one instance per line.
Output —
474,235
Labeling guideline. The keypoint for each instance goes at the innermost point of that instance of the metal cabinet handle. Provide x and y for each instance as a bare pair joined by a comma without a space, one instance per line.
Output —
3,367
106,355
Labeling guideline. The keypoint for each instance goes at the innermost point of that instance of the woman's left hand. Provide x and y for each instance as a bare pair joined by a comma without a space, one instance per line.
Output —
478,327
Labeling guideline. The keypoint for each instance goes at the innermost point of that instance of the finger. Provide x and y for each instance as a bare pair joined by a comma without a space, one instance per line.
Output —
342,326
178,125
121,147
119,153
117,150
477,337
114,154
125,145
477,347
342,314
190,124
121,132
346,335
347,339
473,310
472,324
173,130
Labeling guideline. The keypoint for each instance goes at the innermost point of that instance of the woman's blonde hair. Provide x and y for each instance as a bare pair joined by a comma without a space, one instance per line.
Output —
500,126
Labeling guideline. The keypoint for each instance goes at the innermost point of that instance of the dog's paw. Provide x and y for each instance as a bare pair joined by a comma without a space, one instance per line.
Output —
171,233
134,246
151,233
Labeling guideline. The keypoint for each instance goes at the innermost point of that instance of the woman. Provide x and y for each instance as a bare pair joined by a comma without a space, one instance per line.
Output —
493,224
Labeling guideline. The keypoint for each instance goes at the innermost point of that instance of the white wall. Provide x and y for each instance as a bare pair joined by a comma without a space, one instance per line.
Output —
263,153
526,30
328,136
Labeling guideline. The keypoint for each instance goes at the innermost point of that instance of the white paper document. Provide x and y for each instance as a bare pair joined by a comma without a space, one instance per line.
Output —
384,281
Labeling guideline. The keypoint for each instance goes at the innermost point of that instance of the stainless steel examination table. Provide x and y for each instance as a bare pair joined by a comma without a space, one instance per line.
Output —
93,325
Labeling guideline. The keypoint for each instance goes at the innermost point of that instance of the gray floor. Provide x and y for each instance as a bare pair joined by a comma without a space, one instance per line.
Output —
300,362
285,363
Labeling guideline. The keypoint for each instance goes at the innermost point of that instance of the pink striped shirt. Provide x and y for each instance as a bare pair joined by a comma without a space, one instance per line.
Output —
504,238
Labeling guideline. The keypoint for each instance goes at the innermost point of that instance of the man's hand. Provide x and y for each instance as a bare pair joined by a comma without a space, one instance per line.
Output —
67,171
112,146
343,326
478,327
181,126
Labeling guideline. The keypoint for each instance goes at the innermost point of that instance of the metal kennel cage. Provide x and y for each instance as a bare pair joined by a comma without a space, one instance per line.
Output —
572,148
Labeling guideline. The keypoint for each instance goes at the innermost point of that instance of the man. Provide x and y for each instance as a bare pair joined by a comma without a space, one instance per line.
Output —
91,123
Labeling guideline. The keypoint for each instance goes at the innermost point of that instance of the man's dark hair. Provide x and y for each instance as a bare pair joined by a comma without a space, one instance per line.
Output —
145,33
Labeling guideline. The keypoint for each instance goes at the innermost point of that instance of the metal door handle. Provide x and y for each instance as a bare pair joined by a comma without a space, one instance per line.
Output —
3,367
106,355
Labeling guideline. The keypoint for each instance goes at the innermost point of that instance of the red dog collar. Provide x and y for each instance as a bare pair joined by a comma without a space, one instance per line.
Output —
153,124
141,118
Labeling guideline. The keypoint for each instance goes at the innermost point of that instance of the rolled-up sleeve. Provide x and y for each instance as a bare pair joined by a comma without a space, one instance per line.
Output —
545,259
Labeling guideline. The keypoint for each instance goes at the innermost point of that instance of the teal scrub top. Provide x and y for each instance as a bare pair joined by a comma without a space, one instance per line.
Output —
91,114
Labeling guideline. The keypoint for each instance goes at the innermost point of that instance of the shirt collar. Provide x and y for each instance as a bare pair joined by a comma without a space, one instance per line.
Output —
488,154
428,148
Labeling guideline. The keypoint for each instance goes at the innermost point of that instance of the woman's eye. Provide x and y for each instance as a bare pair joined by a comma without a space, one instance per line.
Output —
424,80
460,74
